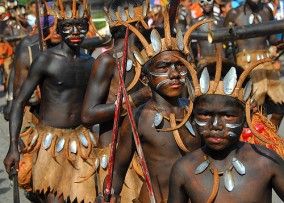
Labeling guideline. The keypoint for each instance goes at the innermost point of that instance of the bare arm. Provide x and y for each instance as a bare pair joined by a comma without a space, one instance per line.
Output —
95,110
125,151
22,65
8,107
177,193
278,177
16,118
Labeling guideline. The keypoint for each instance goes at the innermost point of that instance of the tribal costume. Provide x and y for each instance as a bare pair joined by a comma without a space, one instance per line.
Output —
265,77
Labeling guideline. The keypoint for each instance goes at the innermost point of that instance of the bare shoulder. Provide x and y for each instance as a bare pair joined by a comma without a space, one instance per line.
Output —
105,63
261,154
189,162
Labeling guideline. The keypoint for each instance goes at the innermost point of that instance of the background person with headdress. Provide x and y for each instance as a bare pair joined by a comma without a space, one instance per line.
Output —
25,52
64,160
205,51
6,53
224,168
101,95
266,76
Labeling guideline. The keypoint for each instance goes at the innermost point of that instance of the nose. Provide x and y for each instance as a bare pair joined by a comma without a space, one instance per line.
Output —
173,73
75,30
216,123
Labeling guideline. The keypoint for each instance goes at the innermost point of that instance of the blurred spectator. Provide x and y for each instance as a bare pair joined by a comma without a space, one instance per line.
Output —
6,52
31,16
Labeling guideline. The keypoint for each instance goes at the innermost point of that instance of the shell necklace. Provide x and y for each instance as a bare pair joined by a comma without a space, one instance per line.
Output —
159,118
227,173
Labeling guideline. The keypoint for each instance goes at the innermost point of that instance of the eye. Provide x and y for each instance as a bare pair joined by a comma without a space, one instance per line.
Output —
229,117
204,116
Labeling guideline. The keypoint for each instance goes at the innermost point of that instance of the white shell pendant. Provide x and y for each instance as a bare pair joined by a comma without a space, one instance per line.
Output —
81,11
47,141
83,140
60,144
138,57
202,167
228,181
190,128
158,118
112,15
122,13
97,164
34,139
180,40
131,12
230,81
248,58
104,161
145,9
73,147
204,81
247,90
259,18
92,138
262,56
251,19
68,11
156,41
239,166
257,57
129,65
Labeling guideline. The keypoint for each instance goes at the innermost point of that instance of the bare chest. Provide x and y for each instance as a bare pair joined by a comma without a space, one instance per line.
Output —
68,74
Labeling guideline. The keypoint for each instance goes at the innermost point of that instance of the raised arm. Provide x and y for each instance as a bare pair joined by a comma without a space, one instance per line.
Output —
177,193
16,117
124,154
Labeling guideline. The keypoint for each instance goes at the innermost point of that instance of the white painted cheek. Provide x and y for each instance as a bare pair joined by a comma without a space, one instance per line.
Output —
233,125
163,82
200,123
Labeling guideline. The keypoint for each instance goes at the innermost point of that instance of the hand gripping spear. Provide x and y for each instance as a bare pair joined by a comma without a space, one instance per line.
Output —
14,179
122,91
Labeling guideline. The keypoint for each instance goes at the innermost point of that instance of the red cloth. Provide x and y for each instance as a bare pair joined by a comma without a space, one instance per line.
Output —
6,51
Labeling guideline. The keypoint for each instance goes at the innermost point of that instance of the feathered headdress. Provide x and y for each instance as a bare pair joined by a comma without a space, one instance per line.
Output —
69,10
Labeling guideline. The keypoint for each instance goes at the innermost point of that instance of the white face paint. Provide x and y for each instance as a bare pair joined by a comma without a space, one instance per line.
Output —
232,134
166,74
233,125
215,122
163,82
200,123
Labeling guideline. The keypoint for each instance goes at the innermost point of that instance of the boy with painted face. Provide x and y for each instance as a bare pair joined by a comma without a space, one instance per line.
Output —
165,135
224,165
64,161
